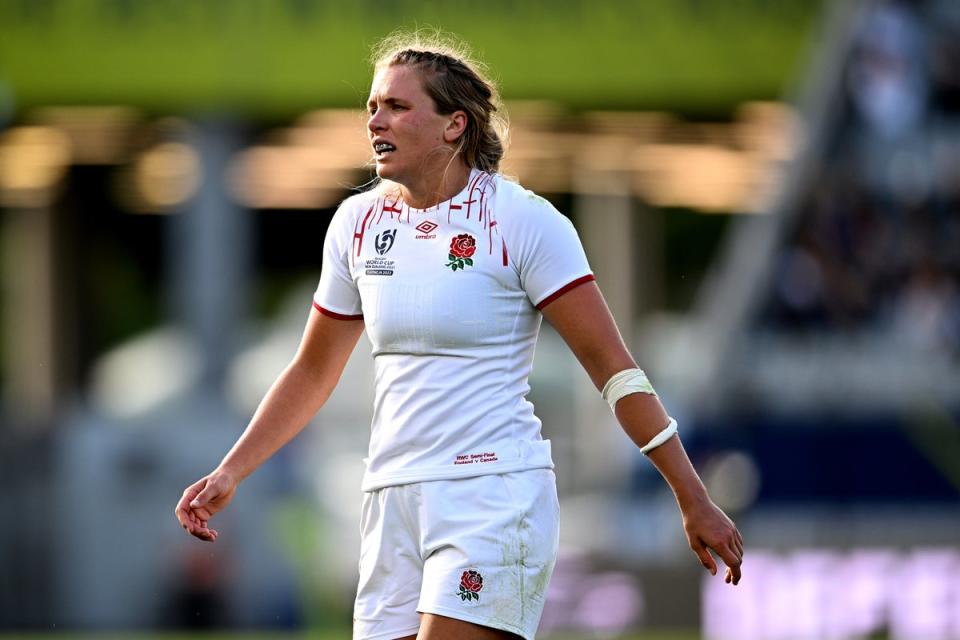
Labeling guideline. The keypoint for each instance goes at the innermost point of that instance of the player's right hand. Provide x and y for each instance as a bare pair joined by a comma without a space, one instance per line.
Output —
708,528
201,500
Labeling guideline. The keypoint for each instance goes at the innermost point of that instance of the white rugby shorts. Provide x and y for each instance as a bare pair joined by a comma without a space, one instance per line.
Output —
478,549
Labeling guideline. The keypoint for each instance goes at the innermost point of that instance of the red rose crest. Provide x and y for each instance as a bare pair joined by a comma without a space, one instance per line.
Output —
471,583
462,249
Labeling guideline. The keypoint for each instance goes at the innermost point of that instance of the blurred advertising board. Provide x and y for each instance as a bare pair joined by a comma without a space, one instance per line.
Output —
903,594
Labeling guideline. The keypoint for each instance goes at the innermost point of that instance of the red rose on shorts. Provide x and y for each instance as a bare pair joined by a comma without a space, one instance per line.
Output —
471,583
463,246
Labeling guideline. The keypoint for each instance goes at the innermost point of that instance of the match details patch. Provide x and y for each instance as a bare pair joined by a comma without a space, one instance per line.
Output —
476,458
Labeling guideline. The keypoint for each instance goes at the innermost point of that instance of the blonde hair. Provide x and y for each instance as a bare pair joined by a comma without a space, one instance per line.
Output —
455,82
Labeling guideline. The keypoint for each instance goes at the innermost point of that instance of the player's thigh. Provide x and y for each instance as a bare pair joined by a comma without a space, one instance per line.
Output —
435,627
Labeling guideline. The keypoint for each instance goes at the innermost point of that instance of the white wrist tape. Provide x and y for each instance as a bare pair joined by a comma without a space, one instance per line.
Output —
669,431
624,383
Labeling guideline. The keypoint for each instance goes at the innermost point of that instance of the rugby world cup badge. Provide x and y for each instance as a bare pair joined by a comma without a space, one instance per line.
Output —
380,266
384,241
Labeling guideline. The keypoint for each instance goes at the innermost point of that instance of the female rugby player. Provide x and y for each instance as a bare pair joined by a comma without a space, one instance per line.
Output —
449,267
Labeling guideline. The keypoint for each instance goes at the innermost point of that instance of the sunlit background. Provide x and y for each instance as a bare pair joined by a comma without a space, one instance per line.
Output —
768,192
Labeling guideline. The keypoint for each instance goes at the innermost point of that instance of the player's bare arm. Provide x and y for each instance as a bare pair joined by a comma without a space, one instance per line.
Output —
293,399
582,318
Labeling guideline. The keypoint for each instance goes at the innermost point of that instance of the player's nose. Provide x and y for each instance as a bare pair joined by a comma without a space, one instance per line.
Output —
376,122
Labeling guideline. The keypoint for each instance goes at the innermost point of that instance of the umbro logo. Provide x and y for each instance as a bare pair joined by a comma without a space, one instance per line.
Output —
426,229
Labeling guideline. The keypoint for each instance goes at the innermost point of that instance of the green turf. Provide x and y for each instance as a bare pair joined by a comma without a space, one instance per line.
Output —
278,58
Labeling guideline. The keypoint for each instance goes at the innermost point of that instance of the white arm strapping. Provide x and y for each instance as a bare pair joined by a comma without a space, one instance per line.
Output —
624,383
635,381
669,431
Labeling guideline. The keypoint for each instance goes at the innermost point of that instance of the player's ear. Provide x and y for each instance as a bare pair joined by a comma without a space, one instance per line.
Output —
456,125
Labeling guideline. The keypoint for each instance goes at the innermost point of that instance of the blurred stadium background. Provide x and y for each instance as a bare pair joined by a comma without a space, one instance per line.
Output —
769,193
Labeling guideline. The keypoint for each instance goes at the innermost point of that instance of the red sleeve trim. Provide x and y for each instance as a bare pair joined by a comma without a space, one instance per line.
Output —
334,314
562,290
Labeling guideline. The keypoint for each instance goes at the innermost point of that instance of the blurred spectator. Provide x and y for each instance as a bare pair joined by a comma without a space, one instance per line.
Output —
926,312
945,55
876,246
887,75
196,600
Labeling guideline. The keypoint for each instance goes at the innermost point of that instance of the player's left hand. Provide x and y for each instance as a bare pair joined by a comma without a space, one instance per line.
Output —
709,529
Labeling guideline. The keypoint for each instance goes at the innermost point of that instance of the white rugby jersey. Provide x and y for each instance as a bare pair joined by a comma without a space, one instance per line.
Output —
450,299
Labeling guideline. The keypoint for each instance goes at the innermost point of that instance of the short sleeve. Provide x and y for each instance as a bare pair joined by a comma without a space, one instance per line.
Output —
337,295
545,249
